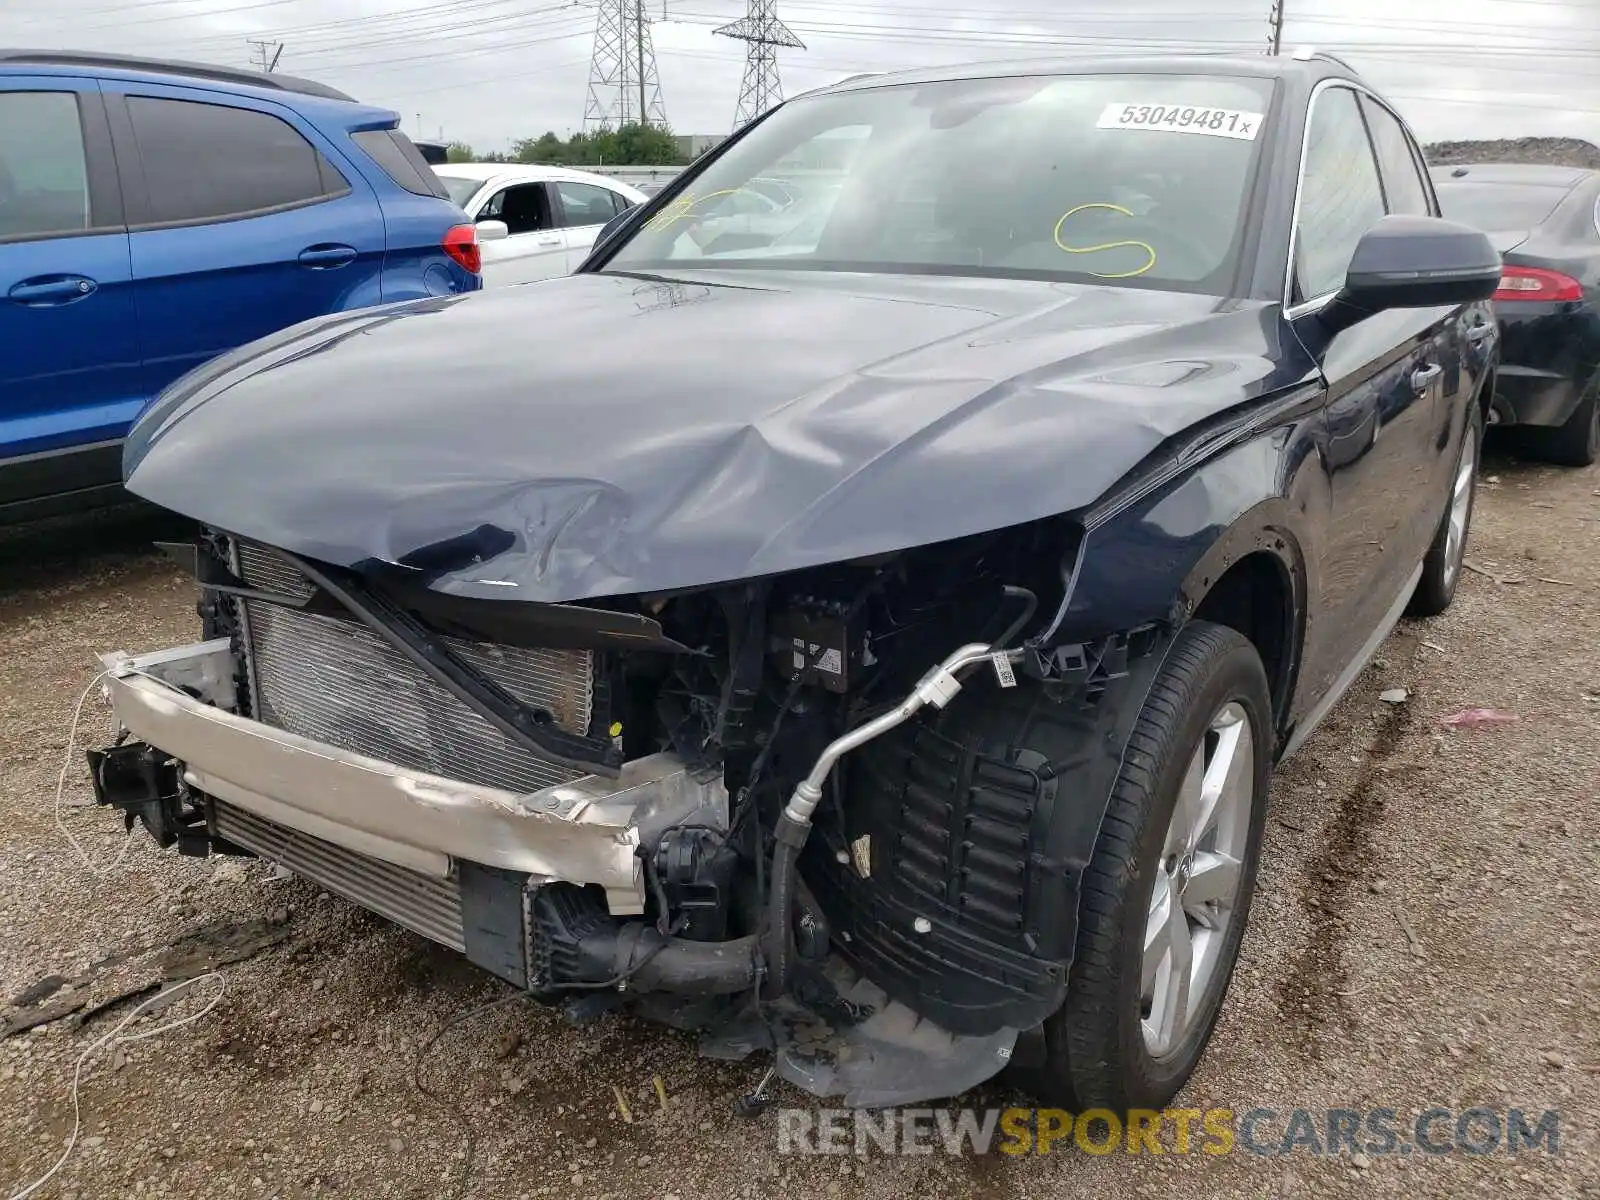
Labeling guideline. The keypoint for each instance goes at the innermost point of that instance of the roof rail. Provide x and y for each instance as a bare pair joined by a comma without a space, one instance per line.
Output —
1307,53
168,66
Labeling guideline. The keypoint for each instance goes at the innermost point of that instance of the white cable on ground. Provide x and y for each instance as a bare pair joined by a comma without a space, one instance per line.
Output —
114,1039
61,787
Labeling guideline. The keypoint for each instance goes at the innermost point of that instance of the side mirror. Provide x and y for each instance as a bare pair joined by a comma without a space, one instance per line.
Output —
1415,262
493,231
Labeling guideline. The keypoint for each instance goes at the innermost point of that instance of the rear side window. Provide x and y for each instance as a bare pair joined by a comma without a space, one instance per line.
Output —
588,203
401,161
209,161
1402,178
44,182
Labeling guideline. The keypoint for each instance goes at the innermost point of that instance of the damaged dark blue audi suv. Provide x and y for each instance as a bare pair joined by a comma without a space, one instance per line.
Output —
862,632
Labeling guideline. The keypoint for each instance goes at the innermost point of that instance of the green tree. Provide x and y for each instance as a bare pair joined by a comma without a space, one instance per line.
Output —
631,145
646,146
547,148
460,152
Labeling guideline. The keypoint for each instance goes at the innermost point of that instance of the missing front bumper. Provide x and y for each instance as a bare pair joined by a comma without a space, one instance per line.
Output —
583,832
464,865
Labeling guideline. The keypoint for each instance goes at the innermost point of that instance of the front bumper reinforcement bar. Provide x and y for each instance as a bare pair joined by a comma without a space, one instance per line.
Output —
583,832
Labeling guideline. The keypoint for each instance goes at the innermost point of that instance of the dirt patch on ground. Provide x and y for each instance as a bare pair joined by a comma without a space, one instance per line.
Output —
1551,151
302,1082
1314,990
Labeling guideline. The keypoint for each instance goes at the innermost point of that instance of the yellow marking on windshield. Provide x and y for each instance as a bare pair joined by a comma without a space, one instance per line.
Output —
1145,246
680,208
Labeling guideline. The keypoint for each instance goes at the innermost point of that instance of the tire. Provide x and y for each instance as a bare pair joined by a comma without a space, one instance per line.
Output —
1575,444
1098,1054
1441,565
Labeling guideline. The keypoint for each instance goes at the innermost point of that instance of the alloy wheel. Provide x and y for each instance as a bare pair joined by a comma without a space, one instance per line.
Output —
1199,880
1455,540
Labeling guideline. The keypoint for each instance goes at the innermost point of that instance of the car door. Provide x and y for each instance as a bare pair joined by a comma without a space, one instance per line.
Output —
242,220
69,344
582,211
534,248
1383,378
1460,335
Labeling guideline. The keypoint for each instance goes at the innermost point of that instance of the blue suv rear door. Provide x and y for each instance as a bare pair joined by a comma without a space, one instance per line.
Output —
242,217
69,343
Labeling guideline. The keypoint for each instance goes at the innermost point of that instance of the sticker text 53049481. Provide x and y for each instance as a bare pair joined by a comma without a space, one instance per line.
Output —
1182,118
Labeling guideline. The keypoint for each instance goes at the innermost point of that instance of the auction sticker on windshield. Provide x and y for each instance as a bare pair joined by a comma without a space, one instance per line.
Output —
1181,118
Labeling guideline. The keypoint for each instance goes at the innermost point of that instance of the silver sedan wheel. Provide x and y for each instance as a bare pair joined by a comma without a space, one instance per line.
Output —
1199,880
1455,537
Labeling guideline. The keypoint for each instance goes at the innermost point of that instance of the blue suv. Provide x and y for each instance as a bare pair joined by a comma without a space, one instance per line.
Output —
155,214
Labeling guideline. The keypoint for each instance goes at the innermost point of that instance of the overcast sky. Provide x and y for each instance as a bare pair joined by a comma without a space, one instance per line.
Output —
489,71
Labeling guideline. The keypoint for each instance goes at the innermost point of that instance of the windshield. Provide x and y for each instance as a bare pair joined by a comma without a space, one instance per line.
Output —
1138,179
461,189
1497,207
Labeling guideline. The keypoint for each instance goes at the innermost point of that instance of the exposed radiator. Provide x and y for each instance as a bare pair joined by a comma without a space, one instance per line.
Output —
335,681
423,904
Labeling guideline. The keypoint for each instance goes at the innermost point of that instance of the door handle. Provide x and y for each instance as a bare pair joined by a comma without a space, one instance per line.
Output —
327,256
551,240
1423,377
50,291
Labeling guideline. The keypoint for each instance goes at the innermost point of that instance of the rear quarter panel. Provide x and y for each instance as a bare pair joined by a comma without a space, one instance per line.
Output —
415,264
1550,351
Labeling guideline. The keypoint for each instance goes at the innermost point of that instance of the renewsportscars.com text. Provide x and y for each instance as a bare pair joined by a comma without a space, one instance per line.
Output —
1268,1132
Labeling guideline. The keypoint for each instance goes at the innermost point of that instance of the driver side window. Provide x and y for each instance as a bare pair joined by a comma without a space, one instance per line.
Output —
1340,197
524,207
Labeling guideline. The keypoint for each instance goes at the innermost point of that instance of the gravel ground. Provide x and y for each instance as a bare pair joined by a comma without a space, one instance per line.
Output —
1479,844
1550,151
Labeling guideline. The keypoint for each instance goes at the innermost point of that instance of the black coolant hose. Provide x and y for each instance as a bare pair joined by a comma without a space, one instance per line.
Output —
790,838
637,957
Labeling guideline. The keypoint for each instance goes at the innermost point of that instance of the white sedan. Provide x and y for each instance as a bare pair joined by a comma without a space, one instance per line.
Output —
534,222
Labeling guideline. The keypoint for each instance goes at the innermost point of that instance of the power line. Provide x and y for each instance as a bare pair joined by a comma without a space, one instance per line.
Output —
379,64
430,32
382,22
547,29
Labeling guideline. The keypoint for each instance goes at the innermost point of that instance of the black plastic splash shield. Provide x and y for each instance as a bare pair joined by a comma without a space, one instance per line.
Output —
854,1042
949,919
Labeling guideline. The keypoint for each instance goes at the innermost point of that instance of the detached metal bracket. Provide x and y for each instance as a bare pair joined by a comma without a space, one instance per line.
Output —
146,785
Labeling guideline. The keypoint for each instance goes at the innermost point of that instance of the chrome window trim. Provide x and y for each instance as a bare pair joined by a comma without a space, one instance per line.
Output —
1418,159
1306,306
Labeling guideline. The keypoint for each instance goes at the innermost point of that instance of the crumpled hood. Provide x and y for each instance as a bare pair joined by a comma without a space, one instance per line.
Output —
604,434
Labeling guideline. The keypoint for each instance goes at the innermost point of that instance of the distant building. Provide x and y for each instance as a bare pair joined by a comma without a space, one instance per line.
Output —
693,145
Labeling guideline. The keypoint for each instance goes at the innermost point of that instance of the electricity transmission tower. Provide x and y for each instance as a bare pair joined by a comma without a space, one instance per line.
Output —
264,55
762,88
623,84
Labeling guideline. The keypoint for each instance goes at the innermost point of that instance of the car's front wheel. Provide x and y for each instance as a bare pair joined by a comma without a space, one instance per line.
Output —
1167,892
